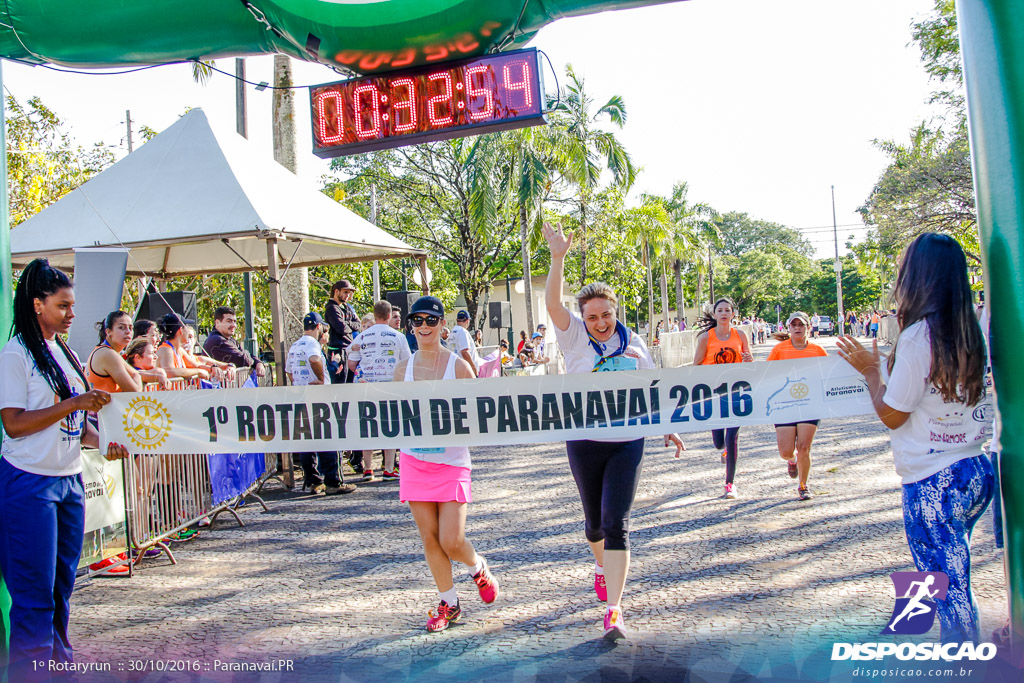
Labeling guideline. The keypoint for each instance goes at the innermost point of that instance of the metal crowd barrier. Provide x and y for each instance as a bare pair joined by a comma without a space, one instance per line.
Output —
169,493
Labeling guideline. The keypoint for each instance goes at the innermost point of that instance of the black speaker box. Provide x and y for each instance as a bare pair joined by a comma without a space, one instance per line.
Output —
402,300
156,305
499,314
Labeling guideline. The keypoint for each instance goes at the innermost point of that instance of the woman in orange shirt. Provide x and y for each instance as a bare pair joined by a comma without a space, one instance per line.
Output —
796,435
171,354
107,370
720,342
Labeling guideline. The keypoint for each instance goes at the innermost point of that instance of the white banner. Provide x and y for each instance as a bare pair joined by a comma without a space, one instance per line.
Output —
104,491
484,412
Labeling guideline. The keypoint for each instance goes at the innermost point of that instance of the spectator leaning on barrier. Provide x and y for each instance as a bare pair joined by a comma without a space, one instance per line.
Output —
195,355
306,366
170,352
221,344
373,357
141,355
343,322
463,345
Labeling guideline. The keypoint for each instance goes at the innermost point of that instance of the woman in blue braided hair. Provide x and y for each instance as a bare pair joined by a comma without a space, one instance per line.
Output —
607,471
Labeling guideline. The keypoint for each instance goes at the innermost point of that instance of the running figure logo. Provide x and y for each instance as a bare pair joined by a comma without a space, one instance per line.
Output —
916,593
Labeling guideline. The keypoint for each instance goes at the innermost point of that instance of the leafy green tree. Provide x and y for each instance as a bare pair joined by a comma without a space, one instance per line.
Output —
584,150
740,234
43,163
448,198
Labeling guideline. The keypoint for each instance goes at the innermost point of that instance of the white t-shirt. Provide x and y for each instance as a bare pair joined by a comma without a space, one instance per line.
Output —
937,434
56,450
580,356
298,361
460,340
378,350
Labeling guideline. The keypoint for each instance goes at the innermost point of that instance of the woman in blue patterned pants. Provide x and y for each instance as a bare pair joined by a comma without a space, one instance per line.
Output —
930,393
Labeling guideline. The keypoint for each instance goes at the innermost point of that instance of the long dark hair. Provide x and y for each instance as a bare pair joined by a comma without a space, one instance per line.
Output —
141,327
38,281
932,285
707,317
169,325
107,323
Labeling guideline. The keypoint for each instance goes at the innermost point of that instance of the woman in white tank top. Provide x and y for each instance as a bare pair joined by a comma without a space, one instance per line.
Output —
436,481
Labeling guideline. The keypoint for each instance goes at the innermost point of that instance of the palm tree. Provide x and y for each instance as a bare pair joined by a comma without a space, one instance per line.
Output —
649,224
693,228
580,147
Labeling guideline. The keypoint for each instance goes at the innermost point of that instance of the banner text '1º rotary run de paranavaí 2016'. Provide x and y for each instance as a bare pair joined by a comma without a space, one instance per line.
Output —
484,412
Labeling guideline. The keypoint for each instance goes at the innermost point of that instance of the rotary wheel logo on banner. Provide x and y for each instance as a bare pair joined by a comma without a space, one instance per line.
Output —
799,390
146,422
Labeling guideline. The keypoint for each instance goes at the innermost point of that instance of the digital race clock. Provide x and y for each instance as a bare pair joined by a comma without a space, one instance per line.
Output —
454,99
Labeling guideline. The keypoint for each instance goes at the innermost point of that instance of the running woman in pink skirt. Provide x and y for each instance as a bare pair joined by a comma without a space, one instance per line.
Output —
435,481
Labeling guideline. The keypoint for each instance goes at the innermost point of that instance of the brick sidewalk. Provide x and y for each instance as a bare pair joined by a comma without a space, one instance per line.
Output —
339,585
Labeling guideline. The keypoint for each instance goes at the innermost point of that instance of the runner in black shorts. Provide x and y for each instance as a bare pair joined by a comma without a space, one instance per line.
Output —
796,436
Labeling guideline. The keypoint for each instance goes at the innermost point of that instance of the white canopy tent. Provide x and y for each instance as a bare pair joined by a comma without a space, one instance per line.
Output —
193,202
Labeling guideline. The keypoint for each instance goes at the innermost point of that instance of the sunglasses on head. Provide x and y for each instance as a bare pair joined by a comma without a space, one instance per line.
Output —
430,320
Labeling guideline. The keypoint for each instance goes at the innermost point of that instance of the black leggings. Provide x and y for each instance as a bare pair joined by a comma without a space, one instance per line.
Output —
606,475
729,439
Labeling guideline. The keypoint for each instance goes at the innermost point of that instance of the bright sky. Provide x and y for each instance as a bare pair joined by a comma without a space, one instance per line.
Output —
760,106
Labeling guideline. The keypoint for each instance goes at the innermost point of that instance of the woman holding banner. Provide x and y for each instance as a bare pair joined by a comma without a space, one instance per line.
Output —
44,395
720,342
796,436
436,481
930,392
607,471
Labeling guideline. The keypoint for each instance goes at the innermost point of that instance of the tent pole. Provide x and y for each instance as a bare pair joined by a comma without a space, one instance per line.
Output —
423,275
277,324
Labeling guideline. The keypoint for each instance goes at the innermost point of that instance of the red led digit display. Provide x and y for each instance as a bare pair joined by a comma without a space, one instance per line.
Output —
445,100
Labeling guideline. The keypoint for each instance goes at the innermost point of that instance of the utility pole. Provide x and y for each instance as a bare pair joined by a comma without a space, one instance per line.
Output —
838,266
242,127
711,278
376,264
128,122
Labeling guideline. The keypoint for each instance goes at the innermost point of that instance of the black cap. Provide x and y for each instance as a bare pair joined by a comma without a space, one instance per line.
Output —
427,304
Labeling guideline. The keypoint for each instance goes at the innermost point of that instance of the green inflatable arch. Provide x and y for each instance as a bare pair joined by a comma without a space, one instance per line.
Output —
365,36
360,35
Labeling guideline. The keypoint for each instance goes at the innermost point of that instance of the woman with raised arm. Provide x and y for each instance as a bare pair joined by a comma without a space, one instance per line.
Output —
607,471
107,369
436,481
930,393
44,395
720,342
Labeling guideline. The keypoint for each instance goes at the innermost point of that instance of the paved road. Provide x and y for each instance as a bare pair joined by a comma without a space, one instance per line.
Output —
339,586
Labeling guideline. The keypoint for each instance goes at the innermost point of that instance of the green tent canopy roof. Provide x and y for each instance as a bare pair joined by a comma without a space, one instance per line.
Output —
364,36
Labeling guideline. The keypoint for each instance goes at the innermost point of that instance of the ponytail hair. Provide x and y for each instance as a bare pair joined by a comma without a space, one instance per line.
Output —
40,280
107,323
707,317
169,325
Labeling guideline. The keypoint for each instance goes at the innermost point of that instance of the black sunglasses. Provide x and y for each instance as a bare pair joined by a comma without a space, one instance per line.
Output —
430,320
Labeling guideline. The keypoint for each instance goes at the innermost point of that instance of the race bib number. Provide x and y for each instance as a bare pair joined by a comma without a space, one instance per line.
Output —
618,363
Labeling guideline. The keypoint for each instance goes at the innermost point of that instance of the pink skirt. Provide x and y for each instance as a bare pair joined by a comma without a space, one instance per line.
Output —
430,482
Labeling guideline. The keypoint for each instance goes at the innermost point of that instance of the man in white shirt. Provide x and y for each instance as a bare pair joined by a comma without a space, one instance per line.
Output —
373,357
305,367
463,344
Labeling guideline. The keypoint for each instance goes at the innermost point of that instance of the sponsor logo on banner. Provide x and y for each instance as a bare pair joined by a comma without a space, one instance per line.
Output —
146,422
914,614
793,394
843,388
103,485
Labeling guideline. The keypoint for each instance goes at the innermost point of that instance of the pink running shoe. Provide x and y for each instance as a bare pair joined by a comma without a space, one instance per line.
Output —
730,491
600,588
614,625
487,584
446,614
